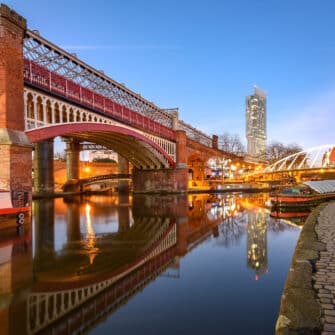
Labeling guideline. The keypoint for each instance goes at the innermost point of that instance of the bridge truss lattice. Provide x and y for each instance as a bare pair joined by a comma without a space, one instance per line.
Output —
55,59
44,53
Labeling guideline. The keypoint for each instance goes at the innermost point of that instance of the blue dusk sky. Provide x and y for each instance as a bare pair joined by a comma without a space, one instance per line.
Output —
204,57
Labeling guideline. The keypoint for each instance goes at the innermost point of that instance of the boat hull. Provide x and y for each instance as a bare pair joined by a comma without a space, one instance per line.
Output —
15,218
284,201
14,208
297,218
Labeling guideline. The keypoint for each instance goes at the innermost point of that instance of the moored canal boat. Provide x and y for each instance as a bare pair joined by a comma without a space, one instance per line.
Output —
14,207
297,218
305,195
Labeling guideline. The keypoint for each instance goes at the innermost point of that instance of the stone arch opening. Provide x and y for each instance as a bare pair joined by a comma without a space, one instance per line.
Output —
30,107
39,108
77,115
64,114
48,112
71,115
57,113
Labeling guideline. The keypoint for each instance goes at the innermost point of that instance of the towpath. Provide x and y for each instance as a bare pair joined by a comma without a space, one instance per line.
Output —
324,276
308,300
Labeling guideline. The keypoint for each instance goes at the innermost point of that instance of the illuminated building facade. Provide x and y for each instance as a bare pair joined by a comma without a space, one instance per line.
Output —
256,125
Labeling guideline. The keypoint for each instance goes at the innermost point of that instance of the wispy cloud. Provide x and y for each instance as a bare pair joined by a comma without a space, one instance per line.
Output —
79,47
309,124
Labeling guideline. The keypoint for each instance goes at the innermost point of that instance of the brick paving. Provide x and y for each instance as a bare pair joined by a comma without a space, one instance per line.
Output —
324,277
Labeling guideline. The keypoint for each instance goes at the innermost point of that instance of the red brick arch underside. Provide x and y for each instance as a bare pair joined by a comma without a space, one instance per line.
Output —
138,149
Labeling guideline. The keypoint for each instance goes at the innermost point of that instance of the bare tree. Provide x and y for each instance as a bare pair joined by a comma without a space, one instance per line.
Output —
231,143
292,149
60,156
277,151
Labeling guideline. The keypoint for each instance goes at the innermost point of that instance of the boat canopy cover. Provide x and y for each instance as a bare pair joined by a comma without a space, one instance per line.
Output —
321,186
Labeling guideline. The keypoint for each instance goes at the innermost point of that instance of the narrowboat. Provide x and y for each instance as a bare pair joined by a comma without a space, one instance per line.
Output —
308,194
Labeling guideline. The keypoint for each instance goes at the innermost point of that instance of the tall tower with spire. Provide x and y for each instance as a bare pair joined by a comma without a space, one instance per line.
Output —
256,124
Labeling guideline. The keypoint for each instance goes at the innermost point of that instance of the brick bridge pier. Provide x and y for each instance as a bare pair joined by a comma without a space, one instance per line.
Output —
15,149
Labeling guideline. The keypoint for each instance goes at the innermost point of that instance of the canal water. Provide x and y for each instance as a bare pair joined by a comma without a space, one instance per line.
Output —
103,264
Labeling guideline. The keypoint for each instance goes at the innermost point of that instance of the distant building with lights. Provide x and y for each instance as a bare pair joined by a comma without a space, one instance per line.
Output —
102,154
256,125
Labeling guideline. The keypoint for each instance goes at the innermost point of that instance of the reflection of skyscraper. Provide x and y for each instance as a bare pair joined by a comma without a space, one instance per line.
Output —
257,242
256,124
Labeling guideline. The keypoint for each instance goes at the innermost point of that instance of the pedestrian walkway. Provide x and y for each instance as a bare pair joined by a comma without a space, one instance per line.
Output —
324,276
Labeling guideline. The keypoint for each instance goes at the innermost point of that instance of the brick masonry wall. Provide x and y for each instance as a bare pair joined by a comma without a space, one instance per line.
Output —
160,181
12,27
15,149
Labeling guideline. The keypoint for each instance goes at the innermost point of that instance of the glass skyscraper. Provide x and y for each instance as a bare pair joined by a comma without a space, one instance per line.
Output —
256,124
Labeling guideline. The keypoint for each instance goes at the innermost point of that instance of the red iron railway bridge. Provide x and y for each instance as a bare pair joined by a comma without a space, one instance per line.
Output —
48,92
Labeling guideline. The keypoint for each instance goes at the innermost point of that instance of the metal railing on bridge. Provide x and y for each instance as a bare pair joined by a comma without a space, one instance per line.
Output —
69,67
54,83
61,73
195,134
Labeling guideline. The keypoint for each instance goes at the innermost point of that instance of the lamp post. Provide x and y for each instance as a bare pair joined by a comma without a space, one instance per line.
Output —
221,163
224,164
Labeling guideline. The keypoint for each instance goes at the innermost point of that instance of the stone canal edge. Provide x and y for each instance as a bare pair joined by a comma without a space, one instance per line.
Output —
308,299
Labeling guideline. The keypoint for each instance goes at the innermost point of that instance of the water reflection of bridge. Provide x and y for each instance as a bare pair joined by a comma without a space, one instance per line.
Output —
95,266
44,308
110,267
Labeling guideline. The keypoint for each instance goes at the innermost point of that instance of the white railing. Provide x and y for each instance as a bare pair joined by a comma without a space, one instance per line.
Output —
314,158
45,111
